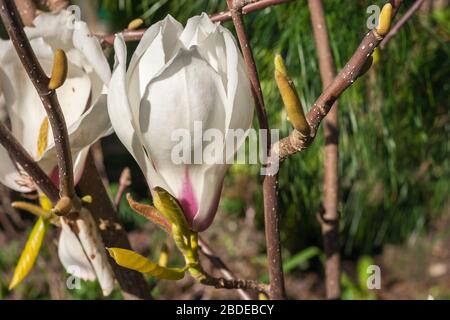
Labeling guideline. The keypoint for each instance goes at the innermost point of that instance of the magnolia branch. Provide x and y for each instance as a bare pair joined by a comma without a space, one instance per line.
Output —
222,283
405,18
270,185
247,7
13,25
19,154
297,142
218,263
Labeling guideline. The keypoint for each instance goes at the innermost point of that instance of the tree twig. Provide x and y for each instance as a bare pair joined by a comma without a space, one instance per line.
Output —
329,221
124,183
218,263
19,154
222,283
250,6
270,184
296,142
405,18
13,25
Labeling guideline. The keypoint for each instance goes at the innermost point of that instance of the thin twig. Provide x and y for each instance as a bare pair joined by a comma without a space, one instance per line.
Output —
270,184
218,263
136,35
330,221
296,142
222,283
251,7
405,18
19,154
13,25
124,183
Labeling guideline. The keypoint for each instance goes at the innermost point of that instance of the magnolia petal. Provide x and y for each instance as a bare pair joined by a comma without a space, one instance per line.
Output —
121,116
72,256
91,49
57,27
240,99
209,189
93,245
157,46
200,98
201,82
9,176
197,29
73,95
90,127
20,94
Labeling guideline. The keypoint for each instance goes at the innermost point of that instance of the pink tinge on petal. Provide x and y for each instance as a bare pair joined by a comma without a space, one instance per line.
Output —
54,176
187,199
204,224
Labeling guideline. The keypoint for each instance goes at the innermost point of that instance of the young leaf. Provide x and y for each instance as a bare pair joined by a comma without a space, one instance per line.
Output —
30,252
170,209
132,260
150,213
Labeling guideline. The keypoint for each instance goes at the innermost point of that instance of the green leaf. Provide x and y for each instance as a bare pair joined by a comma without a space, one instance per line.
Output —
363,264
30,252
132,260
170,209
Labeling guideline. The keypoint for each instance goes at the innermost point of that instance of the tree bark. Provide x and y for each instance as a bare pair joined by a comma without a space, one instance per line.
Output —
329,220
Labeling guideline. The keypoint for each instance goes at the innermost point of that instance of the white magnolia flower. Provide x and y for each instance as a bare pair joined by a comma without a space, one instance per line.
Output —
175,78
87,261
81,98
83,103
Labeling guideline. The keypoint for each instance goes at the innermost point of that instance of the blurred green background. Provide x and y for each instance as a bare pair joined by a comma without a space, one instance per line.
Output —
394,130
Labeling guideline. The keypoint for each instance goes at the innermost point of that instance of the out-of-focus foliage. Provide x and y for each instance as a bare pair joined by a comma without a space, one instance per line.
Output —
395,132
359,290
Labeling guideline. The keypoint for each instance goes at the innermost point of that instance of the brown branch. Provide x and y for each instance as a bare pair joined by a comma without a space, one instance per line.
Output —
28,164
295,142
222,283
124,183
250,6
218,263
405,18
13,25
330,223
132,283
270,185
